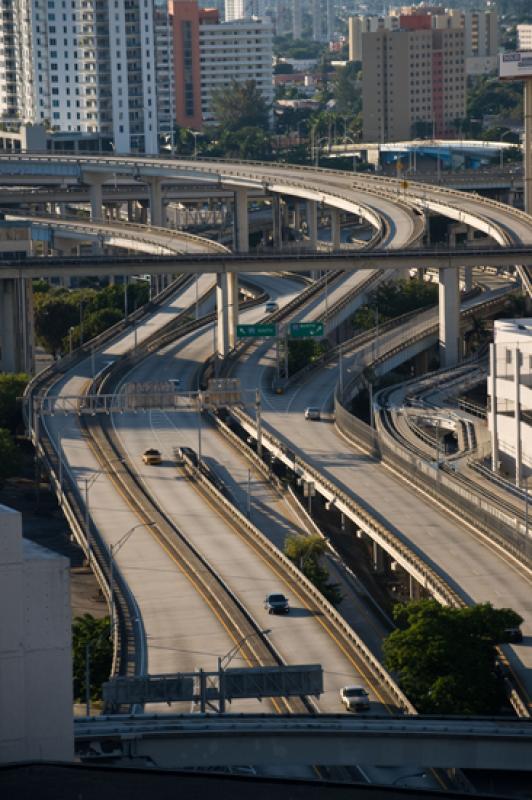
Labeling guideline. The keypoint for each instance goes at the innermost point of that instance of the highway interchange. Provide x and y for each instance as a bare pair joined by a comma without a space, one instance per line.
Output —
181,630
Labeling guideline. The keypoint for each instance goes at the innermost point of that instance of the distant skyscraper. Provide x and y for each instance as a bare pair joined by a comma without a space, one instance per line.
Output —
208,55
297,19
413,82
323,20
84,66
241,9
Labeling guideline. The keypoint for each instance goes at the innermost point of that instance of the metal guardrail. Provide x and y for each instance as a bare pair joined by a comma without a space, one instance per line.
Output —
128,630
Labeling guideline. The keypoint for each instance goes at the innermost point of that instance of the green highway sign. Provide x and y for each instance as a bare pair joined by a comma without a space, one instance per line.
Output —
299,330
261,329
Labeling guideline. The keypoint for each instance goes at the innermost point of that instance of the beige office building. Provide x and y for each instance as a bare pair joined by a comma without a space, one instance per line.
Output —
481,32
413,83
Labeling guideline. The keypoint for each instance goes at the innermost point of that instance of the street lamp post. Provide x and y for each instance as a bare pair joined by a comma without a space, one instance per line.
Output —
70,332
350,139
81,322
88,483
224,661
113,550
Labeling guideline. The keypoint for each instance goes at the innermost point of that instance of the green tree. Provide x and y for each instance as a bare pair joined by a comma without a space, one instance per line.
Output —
54,315
12,386
347,89
306,553
87,630
247,143
95,323
9,456
445,657
304,351
393,298
240,105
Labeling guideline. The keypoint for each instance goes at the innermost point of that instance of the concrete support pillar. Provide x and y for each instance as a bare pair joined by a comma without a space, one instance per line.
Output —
156,201
452,237
222,315
335,228
284,215
527,155
241,222
277,225
449,308
297,217
421,363
94,181
143,213
312,223
493,394
378,560
16,325
517,416
130,211
232,307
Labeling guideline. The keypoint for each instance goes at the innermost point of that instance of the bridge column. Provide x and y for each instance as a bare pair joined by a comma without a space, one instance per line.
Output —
297,218
468,271
222,315
449,312
156,201
241,222
335,228
232,307
378,557
16,325
312,223
94,181
277,223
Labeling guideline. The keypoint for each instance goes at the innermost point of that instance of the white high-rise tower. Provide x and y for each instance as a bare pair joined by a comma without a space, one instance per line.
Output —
83,66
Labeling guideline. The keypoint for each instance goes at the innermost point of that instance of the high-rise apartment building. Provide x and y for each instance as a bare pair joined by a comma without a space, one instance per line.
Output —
323,14
209,55
413,81
481,36
524,37
241,9
84,66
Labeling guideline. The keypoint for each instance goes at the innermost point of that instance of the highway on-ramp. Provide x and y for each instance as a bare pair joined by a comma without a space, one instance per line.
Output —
471,567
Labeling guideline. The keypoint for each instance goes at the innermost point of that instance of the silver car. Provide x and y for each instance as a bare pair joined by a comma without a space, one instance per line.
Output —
355,698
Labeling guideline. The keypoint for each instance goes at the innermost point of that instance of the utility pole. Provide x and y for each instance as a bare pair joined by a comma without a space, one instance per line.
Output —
259,422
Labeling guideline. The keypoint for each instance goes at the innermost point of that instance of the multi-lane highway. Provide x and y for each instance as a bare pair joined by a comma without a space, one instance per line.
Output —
473,569
298,637
176,639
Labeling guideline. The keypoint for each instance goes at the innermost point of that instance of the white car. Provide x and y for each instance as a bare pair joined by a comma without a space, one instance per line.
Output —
355,698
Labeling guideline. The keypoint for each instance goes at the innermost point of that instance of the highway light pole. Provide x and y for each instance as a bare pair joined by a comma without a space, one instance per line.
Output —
224,661
259,422
88,483
113,550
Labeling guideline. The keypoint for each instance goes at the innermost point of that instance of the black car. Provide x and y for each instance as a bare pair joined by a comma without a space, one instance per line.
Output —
276,604
513,635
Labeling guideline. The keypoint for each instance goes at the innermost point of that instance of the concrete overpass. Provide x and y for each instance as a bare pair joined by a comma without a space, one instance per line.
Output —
271,261
182,740
396,214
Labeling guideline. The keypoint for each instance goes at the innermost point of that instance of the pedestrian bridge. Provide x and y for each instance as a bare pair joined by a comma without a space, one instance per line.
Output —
172,740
